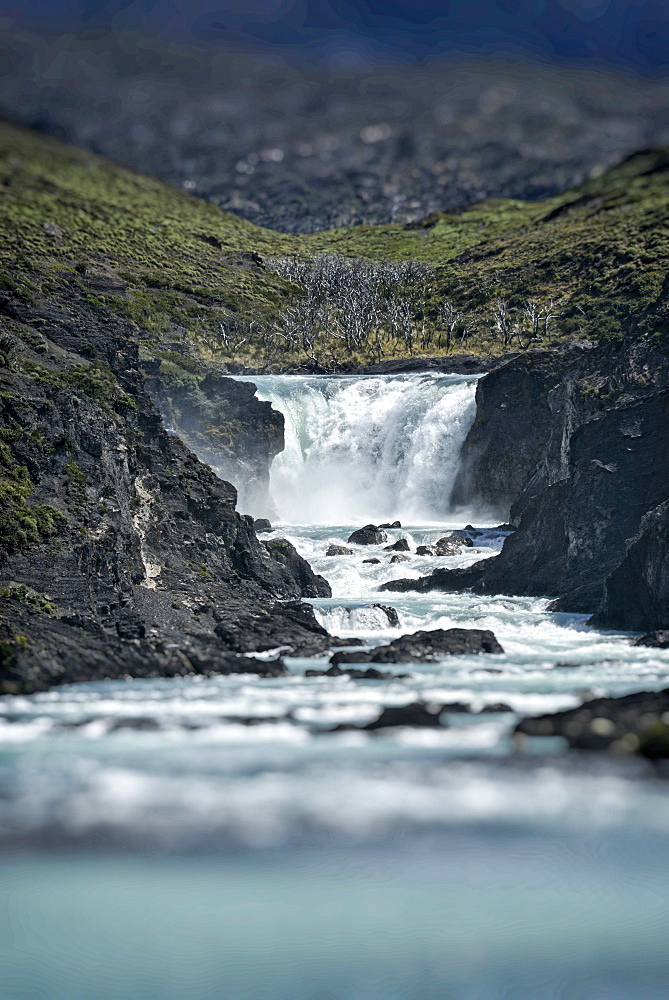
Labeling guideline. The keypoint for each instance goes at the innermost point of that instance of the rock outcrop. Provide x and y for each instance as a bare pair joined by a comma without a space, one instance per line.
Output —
593,464
636,593
113,536
223,421
286,555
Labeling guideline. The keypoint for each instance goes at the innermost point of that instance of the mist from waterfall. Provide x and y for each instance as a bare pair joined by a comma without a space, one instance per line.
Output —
367,448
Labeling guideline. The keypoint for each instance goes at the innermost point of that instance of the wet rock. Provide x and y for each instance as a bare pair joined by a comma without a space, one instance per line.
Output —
495,707
374,561
505,527
632,724
395,524
370,534
262,524
390,613
449,546
290,626
424,647
362,656
418,715
338,550
400,546
310,583
656,640
399,558
426,550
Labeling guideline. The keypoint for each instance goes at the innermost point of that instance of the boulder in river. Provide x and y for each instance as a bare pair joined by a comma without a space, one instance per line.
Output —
262,524
338,550
395,524
401,545
370,534
426,550
416,714
449,546
399,558
657,640
373,560
425,647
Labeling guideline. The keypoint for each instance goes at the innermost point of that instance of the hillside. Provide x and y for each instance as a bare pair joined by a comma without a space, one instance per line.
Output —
588,264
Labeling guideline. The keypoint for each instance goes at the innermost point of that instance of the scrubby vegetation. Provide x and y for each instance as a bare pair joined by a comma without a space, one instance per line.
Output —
591,263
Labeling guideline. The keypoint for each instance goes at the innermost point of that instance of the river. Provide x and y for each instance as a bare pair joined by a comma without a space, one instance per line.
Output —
222,838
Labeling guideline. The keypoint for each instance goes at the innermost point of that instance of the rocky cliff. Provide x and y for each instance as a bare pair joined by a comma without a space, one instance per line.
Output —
223,422
586,435
120,552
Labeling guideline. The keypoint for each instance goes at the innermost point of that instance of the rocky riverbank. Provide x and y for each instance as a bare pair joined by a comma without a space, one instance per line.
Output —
121,552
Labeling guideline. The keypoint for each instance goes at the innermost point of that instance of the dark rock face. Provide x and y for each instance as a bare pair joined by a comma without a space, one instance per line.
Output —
298,569
136,543
261,525
636,594
400,546
597,424
225,424
510,431
634,723
423,647
369,535
290,626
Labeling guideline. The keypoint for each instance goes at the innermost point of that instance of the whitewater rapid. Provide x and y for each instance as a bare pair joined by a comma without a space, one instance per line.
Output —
367,448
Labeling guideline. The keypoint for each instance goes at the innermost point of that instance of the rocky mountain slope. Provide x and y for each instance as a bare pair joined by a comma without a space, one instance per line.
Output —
202,286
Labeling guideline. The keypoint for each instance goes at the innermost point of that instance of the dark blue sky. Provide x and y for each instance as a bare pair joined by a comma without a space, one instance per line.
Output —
633,32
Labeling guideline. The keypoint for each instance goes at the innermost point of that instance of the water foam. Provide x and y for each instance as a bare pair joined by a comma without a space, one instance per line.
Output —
367,448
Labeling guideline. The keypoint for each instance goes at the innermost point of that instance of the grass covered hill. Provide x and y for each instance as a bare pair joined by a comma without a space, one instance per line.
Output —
200,283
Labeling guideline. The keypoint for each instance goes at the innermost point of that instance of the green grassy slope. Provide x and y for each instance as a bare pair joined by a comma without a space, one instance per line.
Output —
180,267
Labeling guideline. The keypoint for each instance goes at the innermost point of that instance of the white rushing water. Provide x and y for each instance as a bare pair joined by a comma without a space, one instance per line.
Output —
367,448
404,864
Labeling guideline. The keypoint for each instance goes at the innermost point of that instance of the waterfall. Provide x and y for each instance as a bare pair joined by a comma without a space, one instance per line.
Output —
367,448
